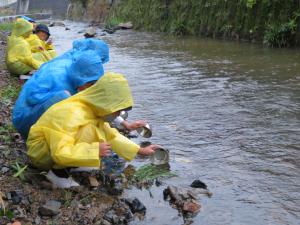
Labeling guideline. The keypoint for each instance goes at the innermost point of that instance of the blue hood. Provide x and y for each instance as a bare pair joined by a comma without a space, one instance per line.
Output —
86,67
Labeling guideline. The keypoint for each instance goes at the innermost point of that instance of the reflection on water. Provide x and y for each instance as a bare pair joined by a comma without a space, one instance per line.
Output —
229,114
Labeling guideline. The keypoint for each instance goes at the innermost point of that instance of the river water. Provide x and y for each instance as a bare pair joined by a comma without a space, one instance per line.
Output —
228,112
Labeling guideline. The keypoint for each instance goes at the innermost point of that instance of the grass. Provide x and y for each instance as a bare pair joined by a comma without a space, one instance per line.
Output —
6,26
112,22
10,92
151,172
19,171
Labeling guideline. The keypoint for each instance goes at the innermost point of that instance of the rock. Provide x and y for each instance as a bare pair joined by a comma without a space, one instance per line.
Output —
192,207
105,222
51,208
158,182
111,217
125,26
4,169
67,28
93,181
198,184
90,32
109,30
15,197
114,186
172,192
135,205
57,24
37,220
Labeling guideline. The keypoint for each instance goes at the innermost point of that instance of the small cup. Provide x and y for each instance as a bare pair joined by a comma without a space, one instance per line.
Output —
160,157
145,131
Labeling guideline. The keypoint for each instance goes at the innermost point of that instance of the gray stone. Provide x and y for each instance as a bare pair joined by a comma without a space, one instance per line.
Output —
4,169
51,208
38,220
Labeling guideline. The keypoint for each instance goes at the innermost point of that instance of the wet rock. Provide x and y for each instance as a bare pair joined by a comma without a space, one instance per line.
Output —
125,26
90,32
135,205
51,208
158,182
192,207
198,184
183,200
57,24
67,28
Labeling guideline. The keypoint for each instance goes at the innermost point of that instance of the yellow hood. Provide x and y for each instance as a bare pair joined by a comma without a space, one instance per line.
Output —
109,94
21,27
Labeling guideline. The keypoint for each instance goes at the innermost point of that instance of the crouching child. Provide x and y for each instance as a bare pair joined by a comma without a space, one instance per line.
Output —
75,132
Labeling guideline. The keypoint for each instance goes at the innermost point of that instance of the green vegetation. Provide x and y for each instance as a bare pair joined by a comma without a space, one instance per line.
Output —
274,23
10,92
19,171
150,172
6,26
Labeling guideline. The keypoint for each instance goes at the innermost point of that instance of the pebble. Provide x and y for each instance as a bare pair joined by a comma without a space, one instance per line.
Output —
51,208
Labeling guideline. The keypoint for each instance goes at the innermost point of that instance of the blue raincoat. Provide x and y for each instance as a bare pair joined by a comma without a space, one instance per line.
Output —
57,79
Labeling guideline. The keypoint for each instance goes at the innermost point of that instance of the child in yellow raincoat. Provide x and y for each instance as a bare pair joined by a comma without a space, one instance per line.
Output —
19,58
41,44
75,132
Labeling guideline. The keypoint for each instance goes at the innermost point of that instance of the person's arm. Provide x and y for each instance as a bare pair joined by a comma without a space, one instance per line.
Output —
129,126
124,147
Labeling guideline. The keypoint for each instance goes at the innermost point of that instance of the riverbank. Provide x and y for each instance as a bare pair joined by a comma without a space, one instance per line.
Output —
273,23
26,195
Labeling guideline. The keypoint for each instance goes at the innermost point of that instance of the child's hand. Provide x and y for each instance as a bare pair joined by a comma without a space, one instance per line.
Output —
135,125
149,150
104,149
49,42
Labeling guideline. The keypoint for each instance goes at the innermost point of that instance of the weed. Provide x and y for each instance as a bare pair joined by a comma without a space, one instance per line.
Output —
150,172
19,171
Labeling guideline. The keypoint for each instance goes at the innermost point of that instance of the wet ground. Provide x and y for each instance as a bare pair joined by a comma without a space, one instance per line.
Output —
229,114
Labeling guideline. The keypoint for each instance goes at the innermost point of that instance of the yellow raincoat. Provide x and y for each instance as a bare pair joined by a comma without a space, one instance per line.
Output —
69,132
19,59
44,52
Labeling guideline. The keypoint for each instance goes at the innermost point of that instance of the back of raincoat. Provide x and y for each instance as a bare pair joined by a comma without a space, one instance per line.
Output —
68,134
19,58
56,80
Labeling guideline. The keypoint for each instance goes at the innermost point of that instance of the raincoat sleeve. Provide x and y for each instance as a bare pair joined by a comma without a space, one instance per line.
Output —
121,145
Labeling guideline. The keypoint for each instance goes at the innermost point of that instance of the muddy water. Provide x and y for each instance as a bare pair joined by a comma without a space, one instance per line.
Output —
230,115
